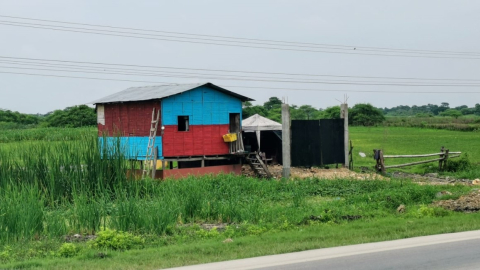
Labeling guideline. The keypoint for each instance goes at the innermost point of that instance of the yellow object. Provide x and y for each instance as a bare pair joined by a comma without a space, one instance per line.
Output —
159,164
231,137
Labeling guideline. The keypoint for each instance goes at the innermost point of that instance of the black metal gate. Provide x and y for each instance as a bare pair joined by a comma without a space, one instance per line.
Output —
317,142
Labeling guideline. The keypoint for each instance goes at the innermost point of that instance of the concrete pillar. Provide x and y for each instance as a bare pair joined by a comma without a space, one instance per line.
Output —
286,158
344,116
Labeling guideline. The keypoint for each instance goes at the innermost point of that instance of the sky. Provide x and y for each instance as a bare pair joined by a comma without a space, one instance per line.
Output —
433,25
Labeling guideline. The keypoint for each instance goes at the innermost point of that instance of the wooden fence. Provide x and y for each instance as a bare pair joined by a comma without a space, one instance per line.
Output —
444,155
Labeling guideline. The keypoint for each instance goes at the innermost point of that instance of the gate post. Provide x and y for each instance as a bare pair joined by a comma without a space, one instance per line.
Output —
344,116
286,158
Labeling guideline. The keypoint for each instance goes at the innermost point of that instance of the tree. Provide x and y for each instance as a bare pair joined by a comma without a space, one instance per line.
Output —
443,107
452,113
477,109
332,112
466,111
77,116
365,115
249,111
247,104
272,103
309,112
275,114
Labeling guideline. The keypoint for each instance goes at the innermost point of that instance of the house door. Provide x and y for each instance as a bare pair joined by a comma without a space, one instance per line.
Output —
234,122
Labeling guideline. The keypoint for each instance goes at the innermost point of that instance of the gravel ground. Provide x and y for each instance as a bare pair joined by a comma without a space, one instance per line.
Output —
334,173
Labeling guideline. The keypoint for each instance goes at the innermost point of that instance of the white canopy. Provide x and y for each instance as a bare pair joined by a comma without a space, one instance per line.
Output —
257,123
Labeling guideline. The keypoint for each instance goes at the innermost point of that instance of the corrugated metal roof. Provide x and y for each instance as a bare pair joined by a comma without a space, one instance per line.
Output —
160,91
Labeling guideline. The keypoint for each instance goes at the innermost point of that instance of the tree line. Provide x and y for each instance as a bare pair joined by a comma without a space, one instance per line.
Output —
359,114
431,110
76,116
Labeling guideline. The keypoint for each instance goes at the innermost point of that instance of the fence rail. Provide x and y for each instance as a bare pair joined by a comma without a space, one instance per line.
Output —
444,155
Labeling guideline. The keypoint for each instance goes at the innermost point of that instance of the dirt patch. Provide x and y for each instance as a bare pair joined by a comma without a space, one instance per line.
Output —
79,238
340,173
220,226
466,203
431,179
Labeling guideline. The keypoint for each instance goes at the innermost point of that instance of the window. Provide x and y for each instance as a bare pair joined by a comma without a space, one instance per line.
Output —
183,123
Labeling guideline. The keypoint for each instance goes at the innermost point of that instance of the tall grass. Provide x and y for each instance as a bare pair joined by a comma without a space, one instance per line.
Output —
45,134
448,123
51,189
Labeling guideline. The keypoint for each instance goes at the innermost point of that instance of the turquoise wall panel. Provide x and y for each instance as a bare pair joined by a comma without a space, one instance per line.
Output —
204,105
131,147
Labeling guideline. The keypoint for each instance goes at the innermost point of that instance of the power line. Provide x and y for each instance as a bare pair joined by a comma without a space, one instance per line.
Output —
356,83
254,87
99,64
250,39
193,41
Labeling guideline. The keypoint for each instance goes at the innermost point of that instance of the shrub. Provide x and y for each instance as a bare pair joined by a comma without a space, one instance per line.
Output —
68,250
426,211
461,164
116,240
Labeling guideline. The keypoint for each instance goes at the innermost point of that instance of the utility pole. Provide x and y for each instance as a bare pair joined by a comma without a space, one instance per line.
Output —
344,116
286,158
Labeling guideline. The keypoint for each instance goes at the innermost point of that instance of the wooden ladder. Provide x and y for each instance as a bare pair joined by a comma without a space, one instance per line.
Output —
149,165
258,166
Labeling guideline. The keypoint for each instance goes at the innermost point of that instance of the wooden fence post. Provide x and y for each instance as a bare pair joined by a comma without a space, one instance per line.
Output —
445,159
350,154
440,162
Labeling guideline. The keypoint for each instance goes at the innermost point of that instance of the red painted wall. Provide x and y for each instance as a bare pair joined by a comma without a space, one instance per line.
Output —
198,141
129,118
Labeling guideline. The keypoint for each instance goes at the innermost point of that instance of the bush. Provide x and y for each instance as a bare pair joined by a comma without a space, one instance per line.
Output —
68,250
461,164
116,240
426,211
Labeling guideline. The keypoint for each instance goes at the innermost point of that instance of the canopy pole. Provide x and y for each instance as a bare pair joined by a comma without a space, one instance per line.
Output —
258,139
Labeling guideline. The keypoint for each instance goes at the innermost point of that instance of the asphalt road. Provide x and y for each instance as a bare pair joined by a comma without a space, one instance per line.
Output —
457,251
456,255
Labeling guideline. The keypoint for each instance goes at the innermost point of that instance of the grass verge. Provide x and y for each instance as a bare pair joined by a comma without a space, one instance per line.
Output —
298,239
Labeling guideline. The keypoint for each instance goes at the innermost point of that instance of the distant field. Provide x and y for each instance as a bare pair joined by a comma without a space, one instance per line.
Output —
408,141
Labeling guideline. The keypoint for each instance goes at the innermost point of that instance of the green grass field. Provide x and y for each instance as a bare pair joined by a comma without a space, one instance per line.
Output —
410,141
53,188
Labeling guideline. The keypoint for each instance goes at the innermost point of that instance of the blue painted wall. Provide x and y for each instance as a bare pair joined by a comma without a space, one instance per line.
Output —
204,106
132,147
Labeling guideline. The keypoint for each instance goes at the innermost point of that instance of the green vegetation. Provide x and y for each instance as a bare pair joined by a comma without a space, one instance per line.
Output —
64,206
360,114
55,198
430,109
465,123
460,118
45,134
409,141
76,116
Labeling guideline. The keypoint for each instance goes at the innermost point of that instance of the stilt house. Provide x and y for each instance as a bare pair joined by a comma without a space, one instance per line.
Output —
193,120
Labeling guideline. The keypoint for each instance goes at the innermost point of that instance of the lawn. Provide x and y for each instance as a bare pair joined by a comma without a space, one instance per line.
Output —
410,141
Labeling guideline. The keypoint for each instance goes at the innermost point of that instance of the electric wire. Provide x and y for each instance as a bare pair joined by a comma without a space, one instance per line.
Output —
99,64
248,39
254,87
106,33
356,83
